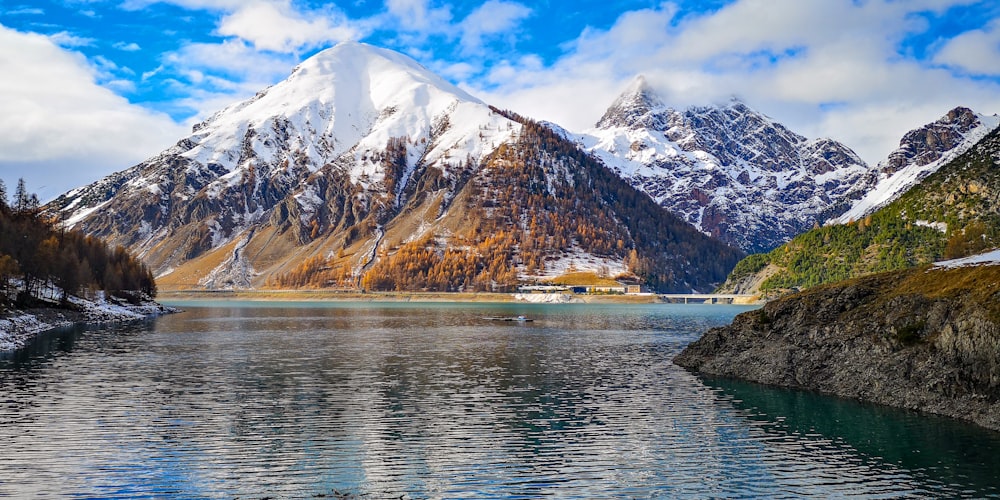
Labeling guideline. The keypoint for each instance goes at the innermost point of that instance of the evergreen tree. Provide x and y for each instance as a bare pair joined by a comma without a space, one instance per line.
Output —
21,197
4,207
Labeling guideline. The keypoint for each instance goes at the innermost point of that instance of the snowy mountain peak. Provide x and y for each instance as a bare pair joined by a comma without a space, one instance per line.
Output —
921,152
729,170
367,126
328,105
633,107
390,70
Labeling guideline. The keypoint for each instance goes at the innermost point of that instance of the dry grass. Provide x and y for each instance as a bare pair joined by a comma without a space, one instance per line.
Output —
977,283
187,275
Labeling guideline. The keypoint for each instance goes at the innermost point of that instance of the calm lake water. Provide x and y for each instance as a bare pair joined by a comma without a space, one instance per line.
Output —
299,400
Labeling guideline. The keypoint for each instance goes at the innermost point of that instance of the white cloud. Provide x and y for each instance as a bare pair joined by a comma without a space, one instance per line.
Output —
214,75
187,4
822,68
419,16
25,11
128,47
66,39
976,52
277,27
491,18
59,128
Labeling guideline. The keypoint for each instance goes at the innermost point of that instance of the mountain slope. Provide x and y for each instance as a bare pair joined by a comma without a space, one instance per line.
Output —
358,158
729,171
539,202
951,213
921,152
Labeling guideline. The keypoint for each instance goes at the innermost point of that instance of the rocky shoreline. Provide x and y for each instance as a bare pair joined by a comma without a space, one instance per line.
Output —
18,327
925,339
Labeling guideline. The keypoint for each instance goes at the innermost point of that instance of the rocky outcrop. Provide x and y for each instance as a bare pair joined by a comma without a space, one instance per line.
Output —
728,170
922,339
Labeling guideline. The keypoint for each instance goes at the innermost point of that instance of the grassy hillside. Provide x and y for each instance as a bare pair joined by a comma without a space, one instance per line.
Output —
953,213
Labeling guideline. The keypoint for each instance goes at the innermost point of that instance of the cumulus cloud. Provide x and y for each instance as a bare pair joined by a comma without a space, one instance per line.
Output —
420,16
491,18
976,52
59,128
823,68
278,27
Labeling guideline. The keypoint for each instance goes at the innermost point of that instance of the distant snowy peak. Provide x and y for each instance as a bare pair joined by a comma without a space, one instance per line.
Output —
636,107
921,152
730,171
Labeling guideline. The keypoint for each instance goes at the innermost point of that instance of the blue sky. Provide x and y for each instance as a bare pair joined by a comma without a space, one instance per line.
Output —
93,86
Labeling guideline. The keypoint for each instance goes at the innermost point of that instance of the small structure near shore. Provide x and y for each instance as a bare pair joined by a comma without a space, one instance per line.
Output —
706,298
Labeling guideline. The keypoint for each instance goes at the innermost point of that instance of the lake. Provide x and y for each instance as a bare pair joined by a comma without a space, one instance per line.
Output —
397,400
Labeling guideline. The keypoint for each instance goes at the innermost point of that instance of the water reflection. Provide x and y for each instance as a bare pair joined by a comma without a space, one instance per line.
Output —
389,400
939,449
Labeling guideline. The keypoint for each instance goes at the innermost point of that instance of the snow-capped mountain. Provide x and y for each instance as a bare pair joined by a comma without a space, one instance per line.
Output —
922,151
359,157
730,171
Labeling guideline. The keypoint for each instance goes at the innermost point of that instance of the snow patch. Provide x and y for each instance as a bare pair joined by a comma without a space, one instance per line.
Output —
940,226
578,261
77,217
17,329
888,188
546,298
991,258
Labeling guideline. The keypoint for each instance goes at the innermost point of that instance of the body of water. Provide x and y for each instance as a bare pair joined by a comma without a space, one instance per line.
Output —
336,400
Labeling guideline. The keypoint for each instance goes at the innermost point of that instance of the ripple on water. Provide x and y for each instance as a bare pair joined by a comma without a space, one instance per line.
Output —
432,401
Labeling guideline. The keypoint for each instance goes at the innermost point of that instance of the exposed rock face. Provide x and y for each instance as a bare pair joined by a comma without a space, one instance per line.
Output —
950,209
921,339
728,170
928,143
921,152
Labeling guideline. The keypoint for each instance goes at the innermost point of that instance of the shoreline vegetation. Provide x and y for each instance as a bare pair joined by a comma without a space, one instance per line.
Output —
51,277
20,326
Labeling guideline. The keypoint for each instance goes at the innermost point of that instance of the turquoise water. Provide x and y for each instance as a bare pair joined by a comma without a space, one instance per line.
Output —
299,400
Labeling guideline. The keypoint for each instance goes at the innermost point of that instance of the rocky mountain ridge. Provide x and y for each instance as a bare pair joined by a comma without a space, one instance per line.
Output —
357,158
728,170
952,211
921,152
